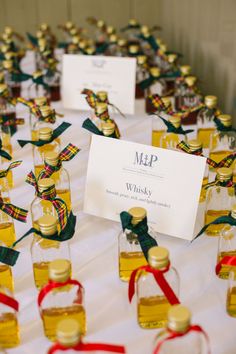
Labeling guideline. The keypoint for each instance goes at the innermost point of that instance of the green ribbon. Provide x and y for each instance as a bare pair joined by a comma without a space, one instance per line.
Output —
151,41
19,76
3,153
56,133
221,127
102,48
91,127
172,129
172,74
4,121
9,256
39,81
33,40
141,230
228,219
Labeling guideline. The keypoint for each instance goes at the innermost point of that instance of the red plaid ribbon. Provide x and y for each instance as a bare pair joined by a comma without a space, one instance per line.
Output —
225,162
67,154
88,347
50,194
157,102
13,211
91,97
12,165
12,121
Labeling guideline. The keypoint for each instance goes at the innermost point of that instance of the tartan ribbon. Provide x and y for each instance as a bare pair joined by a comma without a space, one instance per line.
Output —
91,127
56,133
172,129
141,230
160,280
9,301
11,122
50,195
67,154
221,127
6,94
225,162
173,334
51,285
4,153
12,165
217,182
227,219
14,211
225,261
88,347
158,103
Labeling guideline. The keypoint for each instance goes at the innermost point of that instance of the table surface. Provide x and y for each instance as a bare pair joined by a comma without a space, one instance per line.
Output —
94,254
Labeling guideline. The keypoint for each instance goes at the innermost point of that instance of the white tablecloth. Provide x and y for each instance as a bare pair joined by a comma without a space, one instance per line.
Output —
94,253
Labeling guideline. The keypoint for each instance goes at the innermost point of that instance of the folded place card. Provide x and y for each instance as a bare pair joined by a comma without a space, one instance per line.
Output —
166,183
98,73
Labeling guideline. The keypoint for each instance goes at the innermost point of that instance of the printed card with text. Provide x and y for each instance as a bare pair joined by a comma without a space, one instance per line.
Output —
98,73
166,183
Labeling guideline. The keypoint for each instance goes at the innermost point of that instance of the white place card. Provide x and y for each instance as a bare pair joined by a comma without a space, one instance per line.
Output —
98,73
166,183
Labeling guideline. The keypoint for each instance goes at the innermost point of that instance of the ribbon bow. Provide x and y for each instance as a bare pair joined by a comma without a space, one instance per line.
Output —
217,182
10,167
172,335
160,280
172,129
221,127
225,162
158,103
14,211
87,347
67,154
227,219
91,127
4,153
56,133
150,40
9,301
149,81
141,230
50,194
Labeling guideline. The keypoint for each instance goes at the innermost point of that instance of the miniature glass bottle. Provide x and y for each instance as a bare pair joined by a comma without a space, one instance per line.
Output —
54,86
39,102
186,342
130,252
39,151
219,201
158,127
15,87
152,304
5,134
231,294
44,121
141,74
9,327
205,122
227,246
7,229
66,302
6,278
67,335
222,143
101,109
156,87
169,140
43,251
7,109
61,178
185,70
7,182
40,207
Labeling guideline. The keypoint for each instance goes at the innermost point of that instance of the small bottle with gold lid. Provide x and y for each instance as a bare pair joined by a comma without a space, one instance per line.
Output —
39,102
7,112
67,335
108,129
152,304
9,326
141,74
180,85
227,246
169,140
46,118
5,135
134,50
158,127
40,207
184,340
152,85
205,122
219,200
223,139
196,145
65,302
130,252
44,251
45,134
6,277
100,113
7,228
61,178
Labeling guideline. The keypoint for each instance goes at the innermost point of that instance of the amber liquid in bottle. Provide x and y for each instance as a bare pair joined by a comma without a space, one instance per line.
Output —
52,316
129,261
64,194
6,279
231,302
9,330
203,190
217,156
7,233
9,178
203,135
152,311
156,137
225,269
38,169
211,215
170,141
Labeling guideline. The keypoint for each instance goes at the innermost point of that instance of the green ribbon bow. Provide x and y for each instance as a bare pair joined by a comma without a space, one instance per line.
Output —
149,81
172,129
91,127
141,230
221,127
19,76
228,219
56,133
3,153
33,40
9,256
171,74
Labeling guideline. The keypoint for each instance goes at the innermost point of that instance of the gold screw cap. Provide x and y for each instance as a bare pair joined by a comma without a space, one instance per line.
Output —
224,173
68,332
210,101
45,133
47,225
40,101
108,128
190,80
59,270
155,71
51,158
185,70
102,95
179,318
233,211
225,119
133,49
195,144
45,183
138,214
176,121
158,257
